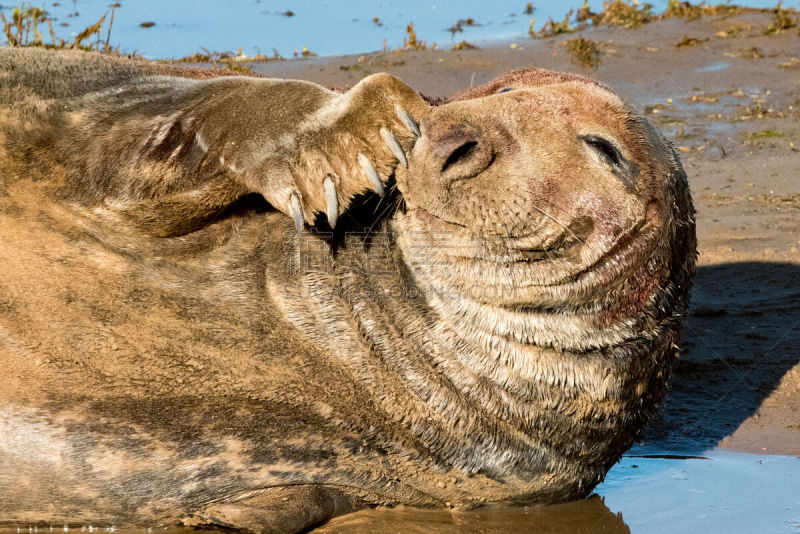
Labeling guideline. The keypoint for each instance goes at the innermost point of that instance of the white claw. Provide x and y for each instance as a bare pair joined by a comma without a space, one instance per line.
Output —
370,171
408,120
297,213
333,202
394,145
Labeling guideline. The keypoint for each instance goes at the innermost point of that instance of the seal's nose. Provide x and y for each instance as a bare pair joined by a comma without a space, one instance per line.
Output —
452,149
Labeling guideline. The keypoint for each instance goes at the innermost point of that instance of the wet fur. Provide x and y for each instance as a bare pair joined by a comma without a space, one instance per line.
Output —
172,360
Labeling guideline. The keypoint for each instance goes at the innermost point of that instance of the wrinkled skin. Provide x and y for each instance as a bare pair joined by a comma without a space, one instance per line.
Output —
174,351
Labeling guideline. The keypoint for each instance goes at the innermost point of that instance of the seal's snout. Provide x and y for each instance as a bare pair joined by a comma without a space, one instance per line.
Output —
452,149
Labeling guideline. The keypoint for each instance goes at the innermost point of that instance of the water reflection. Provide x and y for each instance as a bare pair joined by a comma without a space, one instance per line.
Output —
587,516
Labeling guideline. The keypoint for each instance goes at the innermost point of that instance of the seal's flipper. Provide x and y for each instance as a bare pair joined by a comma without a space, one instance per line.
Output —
286,509
161,149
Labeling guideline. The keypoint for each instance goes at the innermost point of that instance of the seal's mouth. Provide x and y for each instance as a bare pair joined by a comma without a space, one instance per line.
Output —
566,256
622,251
563,246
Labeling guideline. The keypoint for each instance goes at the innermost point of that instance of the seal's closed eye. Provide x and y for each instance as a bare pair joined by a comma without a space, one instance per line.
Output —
605,148
505,90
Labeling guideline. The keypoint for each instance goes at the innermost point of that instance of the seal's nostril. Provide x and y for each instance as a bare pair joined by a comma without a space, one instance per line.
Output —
462,152
454,150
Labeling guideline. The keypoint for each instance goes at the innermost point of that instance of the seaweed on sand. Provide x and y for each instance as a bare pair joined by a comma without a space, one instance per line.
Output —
584,52
23,30
782,20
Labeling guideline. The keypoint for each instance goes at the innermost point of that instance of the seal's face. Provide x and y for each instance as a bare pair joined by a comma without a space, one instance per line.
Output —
537,188
551,232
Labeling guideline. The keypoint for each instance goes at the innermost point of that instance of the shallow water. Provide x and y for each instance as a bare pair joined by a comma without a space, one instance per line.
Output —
714,67
728,492
325,27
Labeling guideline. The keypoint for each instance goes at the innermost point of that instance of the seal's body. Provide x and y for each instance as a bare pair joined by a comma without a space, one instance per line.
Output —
173,350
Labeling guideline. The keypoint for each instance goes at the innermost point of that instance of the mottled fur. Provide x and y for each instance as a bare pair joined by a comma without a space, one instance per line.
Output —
173,351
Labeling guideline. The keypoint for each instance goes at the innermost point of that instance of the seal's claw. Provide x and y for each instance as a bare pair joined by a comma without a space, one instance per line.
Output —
332,201
297,213
394,145
408,120
370,171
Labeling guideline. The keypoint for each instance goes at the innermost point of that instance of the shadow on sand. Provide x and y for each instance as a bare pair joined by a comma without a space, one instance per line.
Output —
740,338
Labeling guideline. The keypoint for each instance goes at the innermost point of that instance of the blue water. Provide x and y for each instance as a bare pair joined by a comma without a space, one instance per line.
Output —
725,492
327,28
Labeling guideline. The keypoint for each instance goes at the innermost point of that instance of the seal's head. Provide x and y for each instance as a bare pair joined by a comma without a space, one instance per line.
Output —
552,232
551,193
